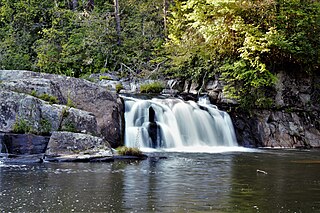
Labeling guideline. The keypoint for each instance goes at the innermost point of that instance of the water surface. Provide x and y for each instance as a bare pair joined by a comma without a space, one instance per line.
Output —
183,182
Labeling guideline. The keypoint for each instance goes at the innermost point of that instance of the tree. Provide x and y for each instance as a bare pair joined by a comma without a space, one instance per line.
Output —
117,18
247,42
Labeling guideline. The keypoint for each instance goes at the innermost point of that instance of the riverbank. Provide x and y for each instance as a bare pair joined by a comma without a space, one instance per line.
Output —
75,117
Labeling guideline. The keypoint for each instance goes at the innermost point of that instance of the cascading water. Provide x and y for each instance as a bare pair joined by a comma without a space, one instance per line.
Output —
173,123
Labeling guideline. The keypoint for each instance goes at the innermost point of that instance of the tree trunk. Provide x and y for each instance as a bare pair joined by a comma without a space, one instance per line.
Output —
117,17
165,9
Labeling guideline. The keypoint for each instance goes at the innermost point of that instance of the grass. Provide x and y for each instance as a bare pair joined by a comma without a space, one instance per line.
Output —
103,77
119,87
154,87
21,126
129,151
46,97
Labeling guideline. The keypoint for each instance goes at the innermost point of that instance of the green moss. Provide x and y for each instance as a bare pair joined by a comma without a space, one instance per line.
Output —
87,77
34,93
65,112
154,87
129,151
119,87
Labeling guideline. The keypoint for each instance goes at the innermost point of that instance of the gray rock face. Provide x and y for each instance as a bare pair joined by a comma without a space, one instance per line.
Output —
67,146
97,111
23,144
40,117
299,129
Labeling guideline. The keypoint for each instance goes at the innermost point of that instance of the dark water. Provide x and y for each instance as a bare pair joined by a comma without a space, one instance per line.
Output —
220,182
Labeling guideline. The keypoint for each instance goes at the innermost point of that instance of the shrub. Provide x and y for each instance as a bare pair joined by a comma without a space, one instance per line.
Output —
103,77
69,127
119,87
51,99
21,126
154,87
45,127
70,103
129,151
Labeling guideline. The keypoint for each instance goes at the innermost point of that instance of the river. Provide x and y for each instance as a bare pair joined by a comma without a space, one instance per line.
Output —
288,181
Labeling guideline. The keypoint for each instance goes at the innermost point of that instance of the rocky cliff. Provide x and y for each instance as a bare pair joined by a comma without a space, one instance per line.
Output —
293,122
44,104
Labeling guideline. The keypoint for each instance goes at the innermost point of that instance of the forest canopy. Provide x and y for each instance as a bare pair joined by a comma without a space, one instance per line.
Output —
244,42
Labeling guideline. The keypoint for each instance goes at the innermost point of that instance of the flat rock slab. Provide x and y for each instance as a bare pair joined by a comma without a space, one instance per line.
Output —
80,158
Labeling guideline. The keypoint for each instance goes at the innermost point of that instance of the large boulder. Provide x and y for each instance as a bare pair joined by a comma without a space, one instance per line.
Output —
68,146
81,94
23,113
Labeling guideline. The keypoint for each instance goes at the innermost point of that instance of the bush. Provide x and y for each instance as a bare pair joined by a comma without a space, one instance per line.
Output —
129,151
50,98
154,87
119,87
103,77
70,103
45,127
21,126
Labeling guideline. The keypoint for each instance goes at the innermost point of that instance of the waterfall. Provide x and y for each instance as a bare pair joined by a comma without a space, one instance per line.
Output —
174,123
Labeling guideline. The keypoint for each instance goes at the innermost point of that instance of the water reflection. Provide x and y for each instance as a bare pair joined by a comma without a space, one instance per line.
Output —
178,184
194,182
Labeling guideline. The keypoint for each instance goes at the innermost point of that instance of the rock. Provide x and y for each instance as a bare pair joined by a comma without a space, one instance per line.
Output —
82,94
276,129
23,144
40,117
67,146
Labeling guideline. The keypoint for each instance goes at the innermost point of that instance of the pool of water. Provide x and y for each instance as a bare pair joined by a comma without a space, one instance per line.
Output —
286,181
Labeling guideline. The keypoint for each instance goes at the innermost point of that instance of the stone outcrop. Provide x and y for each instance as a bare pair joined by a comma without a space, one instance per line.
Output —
69,110
293,122
104,109
68,146
266,128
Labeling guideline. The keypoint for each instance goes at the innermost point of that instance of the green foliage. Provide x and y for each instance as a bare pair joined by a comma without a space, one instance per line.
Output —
69,127
70,103
21,126
103,77
247,42
65,112
45,127
129,151
154,87
54,37
46,97
119,87
51,99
